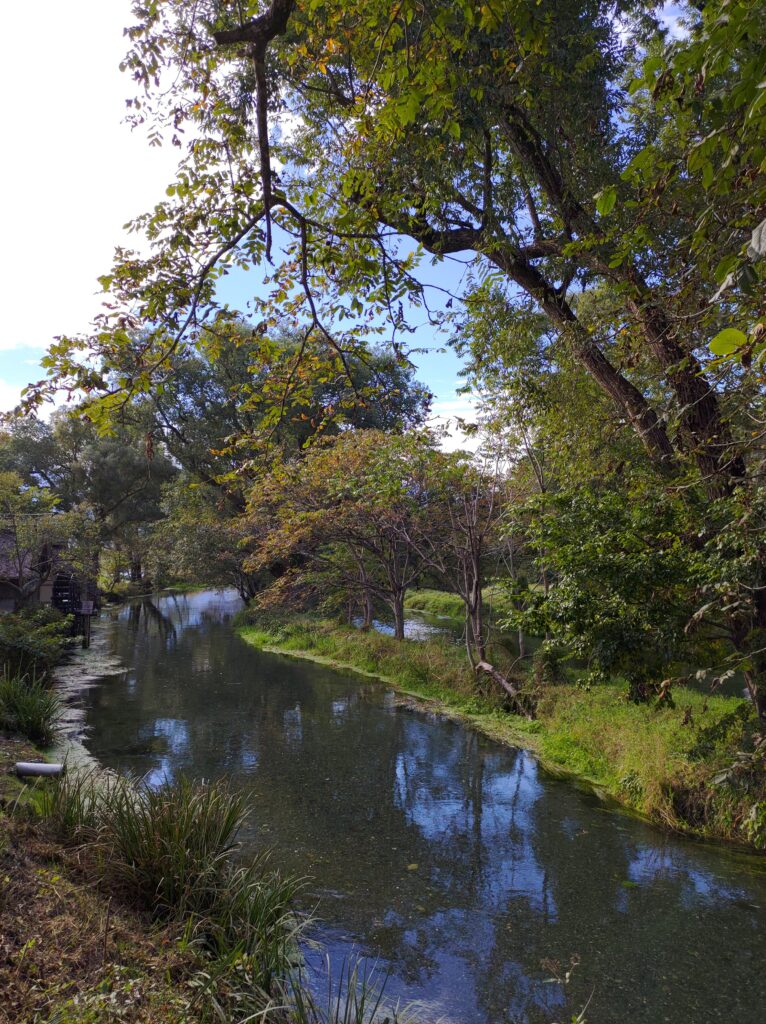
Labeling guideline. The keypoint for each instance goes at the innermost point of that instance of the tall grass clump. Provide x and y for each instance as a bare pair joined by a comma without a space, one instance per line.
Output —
171,846
74,805
29,707
173,851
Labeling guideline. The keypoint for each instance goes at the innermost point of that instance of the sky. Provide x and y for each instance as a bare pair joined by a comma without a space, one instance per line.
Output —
75,173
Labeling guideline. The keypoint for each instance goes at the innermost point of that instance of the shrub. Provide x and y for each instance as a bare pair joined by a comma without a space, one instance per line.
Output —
28,707
33,641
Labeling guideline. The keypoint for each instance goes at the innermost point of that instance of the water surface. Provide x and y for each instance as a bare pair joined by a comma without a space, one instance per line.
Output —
452,861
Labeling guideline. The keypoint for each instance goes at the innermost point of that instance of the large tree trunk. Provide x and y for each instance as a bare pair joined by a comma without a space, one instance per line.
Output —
704,433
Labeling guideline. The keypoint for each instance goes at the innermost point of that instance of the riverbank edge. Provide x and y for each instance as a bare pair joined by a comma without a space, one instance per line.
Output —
68,946
678,788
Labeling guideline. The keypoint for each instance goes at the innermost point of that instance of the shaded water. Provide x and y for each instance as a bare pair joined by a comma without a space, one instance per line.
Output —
454,862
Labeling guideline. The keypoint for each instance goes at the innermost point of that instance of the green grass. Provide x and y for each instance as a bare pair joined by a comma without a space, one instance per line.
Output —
437,669
441,602
171,851
30,708
657,761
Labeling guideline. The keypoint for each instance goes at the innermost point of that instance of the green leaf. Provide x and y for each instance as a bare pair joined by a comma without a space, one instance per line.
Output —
652,64
605,200
727,341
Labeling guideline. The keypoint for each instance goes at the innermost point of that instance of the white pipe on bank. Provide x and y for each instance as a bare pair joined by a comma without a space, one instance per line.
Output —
38,768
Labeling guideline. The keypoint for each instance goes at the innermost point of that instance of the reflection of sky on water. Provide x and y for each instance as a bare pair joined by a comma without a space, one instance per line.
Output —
453,862
495,820
416,627
650,865
293,724
175,735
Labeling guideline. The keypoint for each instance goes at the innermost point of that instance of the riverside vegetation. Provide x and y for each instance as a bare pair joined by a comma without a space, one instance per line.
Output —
601,178
670,764
129,903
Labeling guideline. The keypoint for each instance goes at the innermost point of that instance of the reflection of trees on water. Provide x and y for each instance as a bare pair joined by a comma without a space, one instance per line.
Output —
447,856
146,617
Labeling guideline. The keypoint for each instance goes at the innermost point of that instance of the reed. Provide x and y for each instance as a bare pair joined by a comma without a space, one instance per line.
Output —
355,996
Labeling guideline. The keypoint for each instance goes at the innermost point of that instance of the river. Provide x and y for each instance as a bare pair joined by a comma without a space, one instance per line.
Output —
452,862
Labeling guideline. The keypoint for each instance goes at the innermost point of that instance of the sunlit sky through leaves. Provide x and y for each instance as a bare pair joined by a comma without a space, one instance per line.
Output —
74,173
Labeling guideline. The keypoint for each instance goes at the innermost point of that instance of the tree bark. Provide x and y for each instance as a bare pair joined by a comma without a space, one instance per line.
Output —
397,607
367,611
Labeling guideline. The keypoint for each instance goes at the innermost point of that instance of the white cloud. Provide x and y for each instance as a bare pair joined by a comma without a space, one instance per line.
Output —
9,395
445,413
73,172
671,18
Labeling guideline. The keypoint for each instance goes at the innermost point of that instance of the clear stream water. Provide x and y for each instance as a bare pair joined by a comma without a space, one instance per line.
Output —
454,863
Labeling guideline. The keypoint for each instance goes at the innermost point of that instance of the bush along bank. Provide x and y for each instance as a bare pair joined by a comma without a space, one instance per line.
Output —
129,904
693,765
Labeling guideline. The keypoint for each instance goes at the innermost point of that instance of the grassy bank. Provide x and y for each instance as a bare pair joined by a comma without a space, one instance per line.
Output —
440,602
664,763
129,905
87,932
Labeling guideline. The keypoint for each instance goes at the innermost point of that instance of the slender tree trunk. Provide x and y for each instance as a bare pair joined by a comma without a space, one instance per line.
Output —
477,623
246,585
517,601
469,641
397,606
755,678
367,611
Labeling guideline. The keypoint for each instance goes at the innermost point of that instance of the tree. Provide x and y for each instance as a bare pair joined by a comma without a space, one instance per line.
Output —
31,537
706,92
510,134
340,511
38,539
455,535
201,538
113,480
246,394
